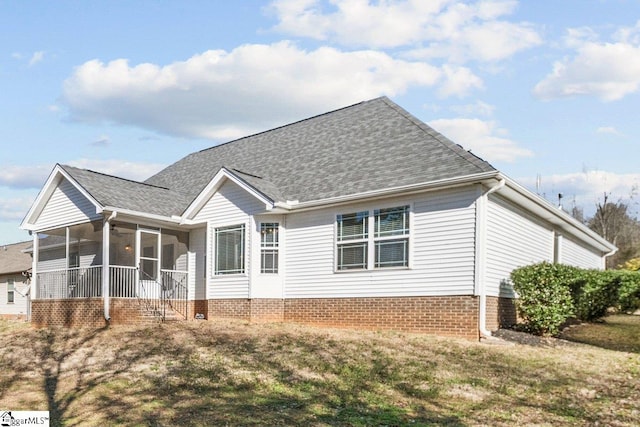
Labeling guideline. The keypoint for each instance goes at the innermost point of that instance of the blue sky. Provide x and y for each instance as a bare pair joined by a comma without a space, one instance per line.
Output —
538,88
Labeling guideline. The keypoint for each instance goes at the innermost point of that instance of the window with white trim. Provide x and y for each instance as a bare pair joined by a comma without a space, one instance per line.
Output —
11,288
373,239
269,247
229,244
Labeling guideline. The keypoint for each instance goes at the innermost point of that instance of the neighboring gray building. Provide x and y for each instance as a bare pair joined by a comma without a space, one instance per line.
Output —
15,267
361,217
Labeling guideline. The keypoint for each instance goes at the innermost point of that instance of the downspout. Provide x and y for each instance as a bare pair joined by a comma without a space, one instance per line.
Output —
481,241
106,231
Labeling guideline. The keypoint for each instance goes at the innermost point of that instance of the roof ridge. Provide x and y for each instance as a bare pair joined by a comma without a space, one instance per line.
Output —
292,123
442,139
116,177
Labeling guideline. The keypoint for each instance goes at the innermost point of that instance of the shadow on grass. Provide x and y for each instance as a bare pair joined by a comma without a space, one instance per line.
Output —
617,332
190,374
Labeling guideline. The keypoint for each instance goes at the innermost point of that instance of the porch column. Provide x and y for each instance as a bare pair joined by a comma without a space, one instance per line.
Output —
106,228
34,267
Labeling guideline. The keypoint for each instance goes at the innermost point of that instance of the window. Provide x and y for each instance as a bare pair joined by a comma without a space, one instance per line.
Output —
229,250
353,232
10,291
269,246
392,237
385,245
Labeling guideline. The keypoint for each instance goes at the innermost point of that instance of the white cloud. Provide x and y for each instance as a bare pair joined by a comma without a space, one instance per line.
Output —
478,108
102,141
455,30
483,138
223,95
36,57
34,176
609,130
15,208
23,177
607,70
587,188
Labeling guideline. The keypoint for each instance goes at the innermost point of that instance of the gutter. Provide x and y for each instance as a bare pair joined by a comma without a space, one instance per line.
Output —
482,315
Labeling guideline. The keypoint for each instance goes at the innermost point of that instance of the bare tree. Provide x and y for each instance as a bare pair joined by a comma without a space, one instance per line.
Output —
613,222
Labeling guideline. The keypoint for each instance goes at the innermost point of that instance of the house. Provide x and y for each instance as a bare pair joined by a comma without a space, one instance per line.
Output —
361,217
15,267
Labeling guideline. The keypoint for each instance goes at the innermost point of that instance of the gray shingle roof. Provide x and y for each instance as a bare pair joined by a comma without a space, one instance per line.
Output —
13,260
369,146
373,145
126,194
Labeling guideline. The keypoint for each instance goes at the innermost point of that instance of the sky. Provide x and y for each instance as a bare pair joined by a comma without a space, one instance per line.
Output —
547,91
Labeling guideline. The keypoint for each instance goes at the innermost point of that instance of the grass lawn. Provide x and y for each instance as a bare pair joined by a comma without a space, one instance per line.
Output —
231,373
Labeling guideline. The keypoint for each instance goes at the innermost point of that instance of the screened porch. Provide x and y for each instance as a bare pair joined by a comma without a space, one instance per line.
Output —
149,264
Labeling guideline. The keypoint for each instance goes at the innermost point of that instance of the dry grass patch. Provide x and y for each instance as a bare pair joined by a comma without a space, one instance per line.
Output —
231,373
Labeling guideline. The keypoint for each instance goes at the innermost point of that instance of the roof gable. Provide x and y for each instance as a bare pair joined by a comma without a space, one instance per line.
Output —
62,197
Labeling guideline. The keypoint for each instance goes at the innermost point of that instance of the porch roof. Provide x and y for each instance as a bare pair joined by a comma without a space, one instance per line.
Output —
122,193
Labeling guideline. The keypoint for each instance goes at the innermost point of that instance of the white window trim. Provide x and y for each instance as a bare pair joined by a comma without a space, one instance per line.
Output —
13,291
275,247
371,239
212,250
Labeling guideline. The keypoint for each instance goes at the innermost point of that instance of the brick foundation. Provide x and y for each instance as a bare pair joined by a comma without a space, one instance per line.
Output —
448,315
68,312
254,310
501,313
451,315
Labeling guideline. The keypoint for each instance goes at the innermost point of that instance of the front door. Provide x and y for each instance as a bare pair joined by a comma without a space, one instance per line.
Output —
148,261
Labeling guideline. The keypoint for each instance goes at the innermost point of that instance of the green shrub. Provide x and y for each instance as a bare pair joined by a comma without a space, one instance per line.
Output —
593,292
544,296
628,290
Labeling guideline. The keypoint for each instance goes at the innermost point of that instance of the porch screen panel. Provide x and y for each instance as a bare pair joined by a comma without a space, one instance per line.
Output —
230,250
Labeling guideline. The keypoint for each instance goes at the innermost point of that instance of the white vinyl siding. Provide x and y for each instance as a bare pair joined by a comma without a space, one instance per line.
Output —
513,239
576,254
19,304
441,251
230,205
197,250
66,206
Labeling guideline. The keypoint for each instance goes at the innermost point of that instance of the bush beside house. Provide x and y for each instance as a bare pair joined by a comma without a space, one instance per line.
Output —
551,294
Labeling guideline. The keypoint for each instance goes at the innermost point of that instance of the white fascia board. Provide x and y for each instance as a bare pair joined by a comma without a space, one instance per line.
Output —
214,185
556,216
55,177
390,192
145,215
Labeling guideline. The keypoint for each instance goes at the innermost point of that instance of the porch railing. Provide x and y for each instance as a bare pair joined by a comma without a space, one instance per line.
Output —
159,296
166,294
78,282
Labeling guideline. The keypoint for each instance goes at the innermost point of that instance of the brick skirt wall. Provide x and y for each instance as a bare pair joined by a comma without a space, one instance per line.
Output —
501,313
68,312
253,310
450,315
13,316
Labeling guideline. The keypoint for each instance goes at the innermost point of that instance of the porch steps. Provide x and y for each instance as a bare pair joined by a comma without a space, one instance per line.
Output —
152,315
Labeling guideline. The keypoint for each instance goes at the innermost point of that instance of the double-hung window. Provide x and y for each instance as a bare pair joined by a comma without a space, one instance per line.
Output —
373,239
391,237
269,246
11,288
353,236
229,244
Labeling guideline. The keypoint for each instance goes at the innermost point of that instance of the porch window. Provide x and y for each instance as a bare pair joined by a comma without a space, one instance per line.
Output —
269,246
229,250
11,288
